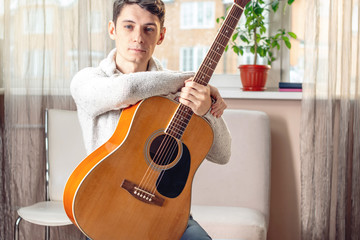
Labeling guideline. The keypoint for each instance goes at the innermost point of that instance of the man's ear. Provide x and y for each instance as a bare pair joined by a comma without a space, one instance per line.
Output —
162,35
112,30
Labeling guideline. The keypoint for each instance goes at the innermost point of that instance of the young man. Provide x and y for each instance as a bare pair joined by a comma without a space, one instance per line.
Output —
130,74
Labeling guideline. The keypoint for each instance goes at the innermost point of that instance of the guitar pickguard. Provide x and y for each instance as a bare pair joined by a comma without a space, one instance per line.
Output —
171,182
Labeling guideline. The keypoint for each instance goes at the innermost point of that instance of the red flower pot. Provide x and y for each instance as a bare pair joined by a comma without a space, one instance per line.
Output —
253,77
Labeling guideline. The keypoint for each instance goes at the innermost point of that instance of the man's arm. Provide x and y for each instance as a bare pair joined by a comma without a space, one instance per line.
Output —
97,93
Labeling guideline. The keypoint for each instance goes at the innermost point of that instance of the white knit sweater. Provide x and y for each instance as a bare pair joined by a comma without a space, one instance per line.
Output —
101,93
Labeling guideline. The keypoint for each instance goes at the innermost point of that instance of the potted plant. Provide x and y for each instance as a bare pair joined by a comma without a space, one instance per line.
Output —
253,35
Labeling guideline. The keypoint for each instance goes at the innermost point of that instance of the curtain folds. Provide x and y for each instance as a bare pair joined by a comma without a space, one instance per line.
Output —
45,42
330,126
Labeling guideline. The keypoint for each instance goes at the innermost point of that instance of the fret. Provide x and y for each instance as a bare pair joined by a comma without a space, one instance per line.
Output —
226,37
215,52
177,129
207,67
183,114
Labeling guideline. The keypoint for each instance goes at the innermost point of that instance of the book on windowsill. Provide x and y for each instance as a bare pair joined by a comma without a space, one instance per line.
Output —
290,85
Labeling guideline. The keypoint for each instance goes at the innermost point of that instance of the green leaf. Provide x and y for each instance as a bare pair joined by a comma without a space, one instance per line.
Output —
226,48
293,35
288,44
290,1
234,37
275,5
244,39
261,51
258,38
262,29
252,49
236,49
285,38
220,19
274,44
241,50
258,10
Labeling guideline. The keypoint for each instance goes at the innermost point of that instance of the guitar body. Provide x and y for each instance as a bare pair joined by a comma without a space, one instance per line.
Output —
138,184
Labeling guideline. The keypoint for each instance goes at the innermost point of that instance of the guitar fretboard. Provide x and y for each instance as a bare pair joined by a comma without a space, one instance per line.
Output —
183,113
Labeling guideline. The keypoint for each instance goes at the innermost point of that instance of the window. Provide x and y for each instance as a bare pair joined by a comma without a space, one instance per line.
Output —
296,55
192,57
34,21
197,15
37,63
192,23
95,23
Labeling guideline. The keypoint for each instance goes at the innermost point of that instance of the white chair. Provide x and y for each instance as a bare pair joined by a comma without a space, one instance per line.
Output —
64,150
232,201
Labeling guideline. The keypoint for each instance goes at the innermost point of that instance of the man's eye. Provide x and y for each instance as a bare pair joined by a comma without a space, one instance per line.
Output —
149,29
128,27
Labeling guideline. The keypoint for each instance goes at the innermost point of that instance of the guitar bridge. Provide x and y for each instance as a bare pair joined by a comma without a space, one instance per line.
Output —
142,194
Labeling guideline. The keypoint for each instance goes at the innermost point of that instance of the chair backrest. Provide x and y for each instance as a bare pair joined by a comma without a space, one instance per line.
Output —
245,180
65,148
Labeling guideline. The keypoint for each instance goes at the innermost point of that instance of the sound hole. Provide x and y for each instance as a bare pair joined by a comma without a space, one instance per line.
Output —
164,150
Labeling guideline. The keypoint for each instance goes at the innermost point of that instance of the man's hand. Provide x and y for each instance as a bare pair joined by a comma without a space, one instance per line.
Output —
197,97
217,109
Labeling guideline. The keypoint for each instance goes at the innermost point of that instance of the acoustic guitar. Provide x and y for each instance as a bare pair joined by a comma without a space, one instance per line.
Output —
137,186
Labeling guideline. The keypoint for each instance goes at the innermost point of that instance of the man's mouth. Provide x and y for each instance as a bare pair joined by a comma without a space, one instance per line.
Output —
139,50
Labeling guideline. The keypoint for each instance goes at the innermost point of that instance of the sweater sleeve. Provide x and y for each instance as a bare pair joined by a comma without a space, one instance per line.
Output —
221,148
96,93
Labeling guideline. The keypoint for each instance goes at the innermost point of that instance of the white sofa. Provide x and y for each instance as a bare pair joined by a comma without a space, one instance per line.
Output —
232,201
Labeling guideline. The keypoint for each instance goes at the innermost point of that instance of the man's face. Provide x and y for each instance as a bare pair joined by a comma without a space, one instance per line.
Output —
136,35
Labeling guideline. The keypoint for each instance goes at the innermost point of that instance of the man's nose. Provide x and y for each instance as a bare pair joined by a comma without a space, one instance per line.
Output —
138,36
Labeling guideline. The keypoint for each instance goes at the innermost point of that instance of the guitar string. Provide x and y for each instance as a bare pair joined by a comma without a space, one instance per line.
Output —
167,159
164,159
146,179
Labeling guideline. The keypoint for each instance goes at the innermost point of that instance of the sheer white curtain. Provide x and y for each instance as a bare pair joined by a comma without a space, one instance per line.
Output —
330,131
45,42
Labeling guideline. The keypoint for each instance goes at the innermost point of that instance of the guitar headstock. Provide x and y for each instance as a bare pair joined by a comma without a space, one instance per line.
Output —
242,3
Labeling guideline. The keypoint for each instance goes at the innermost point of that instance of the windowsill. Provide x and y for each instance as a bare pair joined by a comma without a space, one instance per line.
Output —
237,93
270,94
230,87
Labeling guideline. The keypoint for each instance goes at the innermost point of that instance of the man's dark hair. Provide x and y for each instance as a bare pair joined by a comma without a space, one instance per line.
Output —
155,7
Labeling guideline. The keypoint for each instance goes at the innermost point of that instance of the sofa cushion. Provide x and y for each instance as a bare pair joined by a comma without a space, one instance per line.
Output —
230,222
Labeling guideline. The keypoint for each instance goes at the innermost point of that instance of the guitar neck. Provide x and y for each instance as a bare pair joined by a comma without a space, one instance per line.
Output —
183,114
216,50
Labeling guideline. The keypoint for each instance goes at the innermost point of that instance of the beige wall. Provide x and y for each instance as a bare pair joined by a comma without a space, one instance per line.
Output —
285,168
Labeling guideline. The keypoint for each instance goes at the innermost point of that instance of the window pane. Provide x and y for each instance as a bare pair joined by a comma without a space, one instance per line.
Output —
297,45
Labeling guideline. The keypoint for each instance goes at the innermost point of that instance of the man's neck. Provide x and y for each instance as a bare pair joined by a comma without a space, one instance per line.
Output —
131,67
